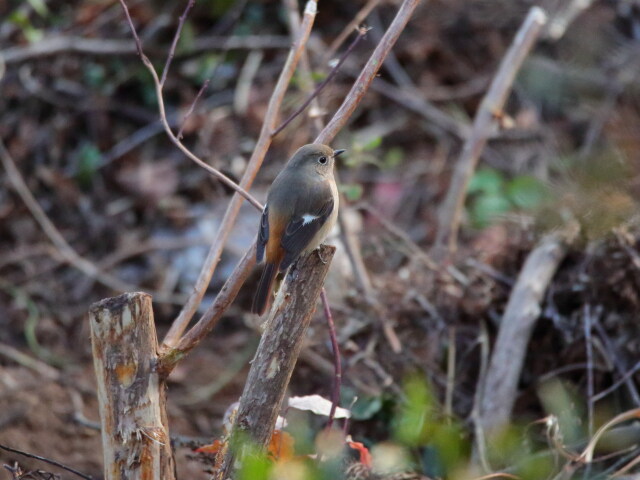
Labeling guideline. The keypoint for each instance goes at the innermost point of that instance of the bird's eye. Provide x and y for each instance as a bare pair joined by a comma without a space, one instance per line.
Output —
322,160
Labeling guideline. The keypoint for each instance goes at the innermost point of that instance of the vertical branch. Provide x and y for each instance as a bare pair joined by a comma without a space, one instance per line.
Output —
277,353
135,434
264,141
492,104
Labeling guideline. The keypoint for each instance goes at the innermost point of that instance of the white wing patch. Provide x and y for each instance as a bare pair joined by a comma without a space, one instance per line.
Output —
308,218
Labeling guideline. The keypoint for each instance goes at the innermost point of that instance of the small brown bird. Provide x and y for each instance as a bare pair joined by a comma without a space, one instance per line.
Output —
301,209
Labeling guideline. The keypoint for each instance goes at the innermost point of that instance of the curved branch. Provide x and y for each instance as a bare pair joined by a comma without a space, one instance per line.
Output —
163,116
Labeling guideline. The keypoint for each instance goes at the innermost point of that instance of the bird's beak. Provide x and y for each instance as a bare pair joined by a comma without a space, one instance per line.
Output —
337,153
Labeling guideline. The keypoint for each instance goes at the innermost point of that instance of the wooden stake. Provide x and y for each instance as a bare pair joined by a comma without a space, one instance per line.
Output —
135,434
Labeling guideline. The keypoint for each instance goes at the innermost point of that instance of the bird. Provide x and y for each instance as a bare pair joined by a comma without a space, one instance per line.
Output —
301,209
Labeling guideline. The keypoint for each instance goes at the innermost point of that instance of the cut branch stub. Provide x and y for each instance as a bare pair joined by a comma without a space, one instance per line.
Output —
135,433
278,352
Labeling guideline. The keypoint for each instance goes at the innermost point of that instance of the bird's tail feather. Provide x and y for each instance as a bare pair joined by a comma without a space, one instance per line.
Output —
261,298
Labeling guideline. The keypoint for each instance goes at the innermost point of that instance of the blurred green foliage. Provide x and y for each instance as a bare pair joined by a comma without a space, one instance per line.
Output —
21,20
87,159
351,191
492,194
366,149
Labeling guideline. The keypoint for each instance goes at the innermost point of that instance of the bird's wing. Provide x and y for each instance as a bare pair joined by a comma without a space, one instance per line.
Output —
263,234
310,214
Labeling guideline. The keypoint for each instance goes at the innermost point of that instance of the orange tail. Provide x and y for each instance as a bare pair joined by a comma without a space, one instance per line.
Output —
261,298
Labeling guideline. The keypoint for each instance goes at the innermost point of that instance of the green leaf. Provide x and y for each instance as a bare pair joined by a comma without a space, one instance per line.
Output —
254,467
352,191
451,445
486,207
40,7
366,407
415,422
219,7
486,180
526,191
88,160
94,74
22,21
372,144
317,76
393,157
187,37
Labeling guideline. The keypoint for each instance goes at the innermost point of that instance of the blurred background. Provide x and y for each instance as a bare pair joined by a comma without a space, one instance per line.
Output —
79,121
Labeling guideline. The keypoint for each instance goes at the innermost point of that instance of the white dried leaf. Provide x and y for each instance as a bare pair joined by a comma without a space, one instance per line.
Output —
318,405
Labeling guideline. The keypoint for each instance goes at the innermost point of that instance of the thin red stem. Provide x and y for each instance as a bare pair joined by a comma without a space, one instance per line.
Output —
337,377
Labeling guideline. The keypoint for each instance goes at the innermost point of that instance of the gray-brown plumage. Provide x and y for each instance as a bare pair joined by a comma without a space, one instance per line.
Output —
301,209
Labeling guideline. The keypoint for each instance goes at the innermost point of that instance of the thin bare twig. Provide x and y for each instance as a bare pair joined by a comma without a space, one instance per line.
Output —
451,372
44,369
414,101
165,122
351,26
450,212
204,86
337,377
324,83
47,460
617,361
616,385
264,141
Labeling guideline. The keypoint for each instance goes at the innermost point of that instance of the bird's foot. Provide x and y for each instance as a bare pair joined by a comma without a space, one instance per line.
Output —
324,262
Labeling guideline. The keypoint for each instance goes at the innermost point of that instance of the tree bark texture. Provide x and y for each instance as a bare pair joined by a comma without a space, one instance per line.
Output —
135,434
278,352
